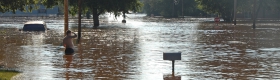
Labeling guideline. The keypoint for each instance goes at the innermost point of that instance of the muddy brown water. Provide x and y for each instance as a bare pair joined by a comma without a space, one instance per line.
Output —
133,51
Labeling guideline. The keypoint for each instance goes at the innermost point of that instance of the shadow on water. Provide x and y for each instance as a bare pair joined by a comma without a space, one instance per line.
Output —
171,77
68,61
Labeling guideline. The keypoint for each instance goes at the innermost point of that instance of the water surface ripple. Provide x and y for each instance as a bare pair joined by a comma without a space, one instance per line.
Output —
117,51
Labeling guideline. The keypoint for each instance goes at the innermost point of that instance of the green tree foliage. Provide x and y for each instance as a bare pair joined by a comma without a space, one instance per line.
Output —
51,3
225,7
98,7
14,5
151,7
271,6
169,8
127,5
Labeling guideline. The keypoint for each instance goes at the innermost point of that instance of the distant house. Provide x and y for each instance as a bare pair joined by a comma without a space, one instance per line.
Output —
42,11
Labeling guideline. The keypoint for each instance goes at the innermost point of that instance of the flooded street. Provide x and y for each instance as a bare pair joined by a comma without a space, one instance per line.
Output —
134,51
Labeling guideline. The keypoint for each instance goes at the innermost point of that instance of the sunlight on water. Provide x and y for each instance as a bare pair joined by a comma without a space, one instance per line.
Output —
112,18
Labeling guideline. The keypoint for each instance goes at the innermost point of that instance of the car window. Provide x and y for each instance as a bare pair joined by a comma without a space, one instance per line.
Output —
34,27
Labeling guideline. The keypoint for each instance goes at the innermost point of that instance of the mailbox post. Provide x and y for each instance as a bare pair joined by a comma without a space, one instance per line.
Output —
172,56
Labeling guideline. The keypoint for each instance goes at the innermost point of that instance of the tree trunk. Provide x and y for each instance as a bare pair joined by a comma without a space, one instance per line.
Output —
95,17
234,12
254,15
88,15
259,7
227,17
124,16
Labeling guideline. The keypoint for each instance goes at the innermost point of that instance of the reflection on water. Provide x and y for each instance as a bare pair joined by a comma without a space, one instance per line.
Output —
117,51
68,61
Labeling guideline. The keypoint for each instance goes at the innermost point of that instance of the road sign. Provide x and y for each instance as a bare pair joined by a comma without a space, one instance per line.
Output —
217,19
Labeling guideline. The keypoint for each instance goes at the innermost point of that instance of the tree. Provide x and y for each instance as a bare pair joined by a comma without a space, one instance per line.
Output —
222,7
14,5
127,5
256,6
98,7
171,8
225,7
151,7
265,5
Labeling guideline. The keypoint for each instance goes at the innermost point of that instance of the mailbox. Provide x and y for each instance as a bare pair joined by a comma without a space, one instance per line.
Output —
172,56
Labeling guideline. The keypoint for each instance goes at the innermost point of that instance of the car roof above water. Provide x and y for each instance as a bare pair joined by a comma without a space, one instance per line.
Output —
35,22
35,26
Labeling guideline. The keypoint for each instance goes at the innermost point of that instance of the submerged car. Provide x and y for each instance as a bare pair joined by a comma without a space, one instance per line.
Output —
35,26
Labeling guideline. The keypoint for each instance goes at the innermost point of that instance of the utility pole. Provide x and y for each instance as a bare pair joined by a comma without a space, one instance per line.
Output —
183,8
79,21
65,16
175,14
173,9
235,12
254,15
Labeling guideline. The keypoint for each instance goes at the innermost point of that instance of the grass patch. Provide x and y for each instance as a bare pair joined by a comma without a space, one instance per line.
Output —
7,75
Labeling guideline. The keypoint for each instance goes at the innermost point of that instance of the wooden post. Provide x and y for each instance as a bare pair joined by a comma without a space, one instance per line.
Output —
183,8
79,21
235,12
254,15
65,16
173,62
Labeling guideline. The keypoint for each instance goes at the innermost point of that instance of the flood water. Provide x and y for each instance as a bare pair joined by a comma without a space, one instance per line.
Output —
134,51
